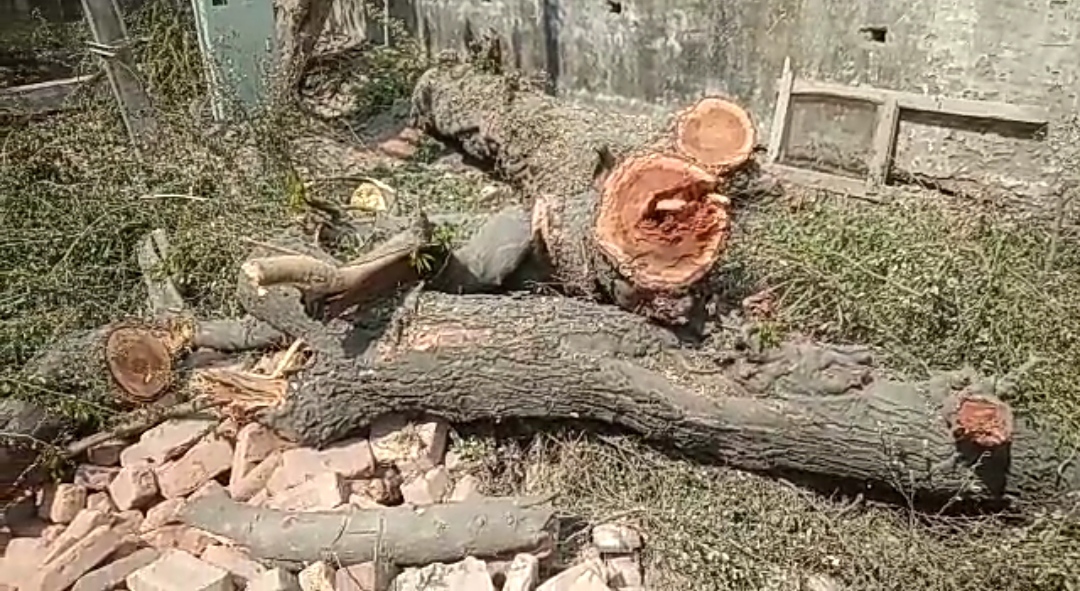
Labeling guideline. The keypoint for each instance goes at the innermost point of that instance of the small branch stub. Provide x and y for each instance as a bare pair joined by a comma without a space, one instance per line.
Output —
717,134
660,222
981,420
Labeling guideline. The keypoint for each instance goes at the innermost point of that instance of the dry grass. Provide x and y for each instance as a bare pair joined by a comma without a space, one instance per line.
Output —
715,528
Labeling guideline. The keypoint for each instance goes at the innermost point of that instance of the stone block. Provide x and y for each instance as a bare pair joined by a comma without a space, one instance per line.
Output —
100,501
22,557
127,523
60,503
350,459
467,487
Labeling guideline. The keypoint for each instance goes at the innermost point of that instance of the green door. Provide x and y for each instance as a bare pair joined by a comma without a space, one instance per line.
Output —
237,39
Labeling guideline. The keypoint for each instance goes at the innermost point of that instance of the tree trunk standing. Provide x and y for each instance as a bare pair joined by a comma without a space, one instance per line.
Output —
803,409
299,24
618,214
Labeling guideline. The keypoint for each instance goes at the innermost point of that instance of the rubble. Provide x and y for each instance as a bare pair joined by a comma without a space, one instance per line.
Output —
96,537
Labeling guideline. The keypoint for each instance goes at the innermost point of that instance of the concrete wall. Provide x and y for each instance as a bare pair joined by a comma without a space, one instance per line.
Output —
670,51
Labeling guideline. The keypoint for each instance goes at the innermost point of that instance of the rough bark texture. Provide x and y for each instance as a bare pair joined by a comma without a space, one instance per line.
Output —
800,410
554,152
398,535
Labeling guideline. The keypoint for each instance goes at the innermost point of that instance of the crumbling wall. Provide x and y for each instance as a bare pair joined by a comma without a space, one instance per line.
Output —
664,51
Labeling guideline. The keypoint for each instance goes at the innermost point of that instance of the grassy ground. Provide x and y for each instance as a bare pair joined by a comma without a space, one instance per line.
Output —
932,289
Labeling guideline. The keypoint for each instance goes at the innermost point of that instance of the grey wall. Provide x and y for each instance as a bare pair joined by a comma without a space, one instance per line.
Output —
670,51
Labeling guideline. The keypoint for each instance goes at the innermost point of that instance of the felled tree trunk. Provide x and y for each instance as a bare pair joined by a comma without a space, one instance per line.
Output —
801,410
396,535
627,208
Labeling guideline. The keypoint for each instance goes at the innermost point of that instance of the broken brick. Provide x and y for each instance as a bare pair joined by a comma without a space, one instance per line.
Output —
164,513
325,491
412,447
523,573
254,443
179,571
239,564
426,489
100,501
166,441
178,537
350,459
202,463
467,487
134,487
112,575
256,478
368,576
85,522
61,572
275,579
317,576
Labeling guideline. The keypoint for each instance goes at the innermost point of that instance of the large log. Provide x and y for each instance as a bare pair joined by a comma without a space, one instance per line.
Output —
800,410
625,207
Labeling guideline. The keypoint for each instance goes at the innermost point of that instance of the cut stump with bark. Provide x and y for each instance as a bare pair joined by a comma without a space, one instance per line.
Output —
717,134
661,223
812,412
618,215
120,365
403,535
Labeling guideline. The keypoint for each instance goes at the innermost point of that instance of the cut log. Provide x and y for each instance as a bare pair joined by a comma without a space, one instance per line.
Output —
825,413
398,535
661,223
717,134
591,229
119,365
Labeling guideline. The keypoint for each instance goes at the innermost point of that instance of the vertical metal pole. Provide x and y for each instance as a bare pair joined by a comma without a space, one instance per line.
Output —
111,45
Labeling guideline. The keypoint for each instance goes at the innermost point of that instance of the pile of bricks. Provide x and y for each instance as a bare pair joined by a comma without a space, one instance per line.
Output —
115,524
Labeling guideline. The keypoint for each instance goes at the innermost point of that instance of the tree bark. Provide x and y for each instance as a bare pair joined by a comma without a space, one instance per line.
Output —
606,188
399,535
802,410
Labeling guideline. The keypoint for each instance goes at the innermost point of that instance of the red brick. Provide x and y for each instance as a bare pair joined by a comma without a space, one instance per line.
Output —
134,487
64,570
323,492
179,571
202,463
254,443
166,441
256,478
